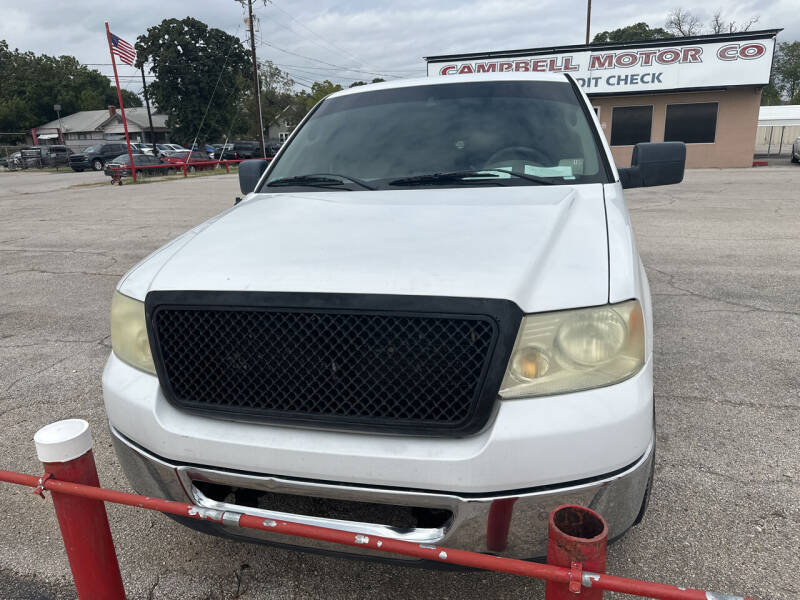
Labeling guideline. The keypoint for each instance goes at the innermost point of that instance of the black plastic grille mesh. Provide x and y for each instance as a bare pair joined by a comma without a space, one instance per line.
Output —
329,366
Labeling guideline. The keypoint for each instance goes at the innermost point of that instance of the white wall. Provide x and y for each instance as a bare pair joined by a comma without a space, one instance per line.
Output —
790,134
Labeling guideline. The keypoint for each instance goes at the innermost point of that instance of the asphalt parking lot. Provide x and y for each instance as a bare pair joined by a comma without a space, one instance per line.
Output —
722,251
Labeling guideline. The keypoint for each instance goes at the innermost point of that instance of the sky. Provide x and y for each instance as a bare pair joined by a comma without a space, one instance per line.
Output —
350,40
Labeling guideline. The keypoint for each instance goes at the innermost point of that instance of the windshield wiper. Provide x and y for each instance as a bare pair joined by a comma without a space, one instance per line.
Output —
468,177
319,180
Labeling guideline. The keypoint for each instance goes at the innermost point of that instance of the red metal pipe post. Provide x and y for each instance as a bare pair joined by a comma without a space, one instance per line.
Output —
577,538
65,449
499,523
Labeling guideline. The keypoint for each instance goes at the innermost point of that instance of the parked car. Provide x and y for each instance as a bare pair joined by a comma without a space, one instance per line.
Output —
12,161
397,332
151,165
272,147
181,157
796,151
51,155
243,150
140,148
162,148
207,148
218,150
95,157
31,158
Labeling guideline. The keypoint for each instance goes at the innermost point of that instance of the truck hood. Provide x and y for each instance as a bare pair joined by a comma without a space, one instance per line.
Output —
543,247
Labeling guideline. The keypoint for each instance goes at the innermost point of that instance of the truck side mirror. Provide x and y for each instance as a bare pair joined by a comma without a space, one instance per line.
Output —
250,172
654,163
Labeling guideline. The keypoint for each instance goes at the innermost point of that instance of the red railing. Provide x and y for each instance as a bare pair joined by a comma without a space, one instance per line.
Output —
65,451
117,172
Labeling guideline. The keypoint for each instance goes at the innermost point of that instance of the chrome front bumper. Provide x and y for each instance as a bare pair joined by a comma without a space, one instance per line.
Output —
619,497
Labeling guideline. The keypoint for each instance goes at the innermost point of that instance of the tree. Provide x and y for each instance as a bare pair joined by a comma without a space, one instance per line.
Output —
195,65
632,33
32,84
719,25
786,71
681,22
770,95
320,89
129,98
301,102
277,92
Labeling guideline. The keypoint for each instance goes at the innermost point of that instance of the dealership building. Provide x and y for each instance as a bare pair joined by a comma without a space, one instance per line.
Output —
702,90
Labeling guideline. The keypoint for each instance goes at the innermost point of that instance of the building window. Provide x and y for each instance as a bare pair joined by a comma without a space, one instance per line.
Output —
282,136
691,123
81,136
631,125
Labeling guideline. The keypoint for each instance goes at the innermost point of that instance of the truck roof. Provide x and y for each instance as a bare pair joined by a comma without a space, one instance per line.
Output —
444,79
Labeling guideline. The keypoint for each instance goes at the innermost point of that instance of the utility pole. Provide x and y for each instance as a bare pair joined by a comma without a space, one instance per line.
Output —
57,108
256,87
588,18
149,118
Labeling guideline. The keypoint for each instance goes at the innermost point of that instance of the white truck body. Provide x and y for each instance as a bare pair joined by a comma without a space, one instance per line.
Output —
541,247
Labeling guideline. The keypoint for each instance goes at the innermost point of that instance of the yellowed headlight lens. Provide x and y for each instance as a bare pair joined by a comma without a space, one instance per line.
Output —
129,333
529,363
575,350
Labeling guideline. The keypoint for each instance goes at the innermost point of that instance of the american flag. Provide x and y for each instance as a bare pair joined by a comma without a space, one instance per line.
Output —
122,49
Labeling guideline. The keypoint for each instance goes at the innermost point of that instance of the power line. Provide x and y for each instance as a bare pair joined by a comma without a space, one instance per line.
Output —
393,71
313,74
340,67
337,68
330,44
315,71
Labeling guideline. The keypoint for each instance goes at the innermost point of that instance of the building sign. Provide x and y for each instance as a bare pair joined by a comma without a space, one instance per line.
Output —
636,68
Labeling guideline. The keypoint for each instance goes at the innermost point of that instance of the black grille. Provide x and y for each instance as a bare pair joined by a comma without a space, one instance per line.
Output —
375,368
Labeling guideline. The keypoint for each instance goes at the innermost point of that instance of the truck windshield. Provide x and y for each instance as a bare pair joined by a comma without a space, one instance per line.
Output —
450,134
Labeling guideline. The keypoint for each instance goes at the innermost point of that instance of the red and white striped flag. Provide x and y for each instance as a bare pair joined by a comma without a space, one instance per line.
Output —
122,49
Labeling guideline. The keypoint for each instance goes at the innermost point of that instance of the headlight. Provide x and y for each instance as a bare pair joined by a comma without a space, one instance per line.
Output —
129,333
575,350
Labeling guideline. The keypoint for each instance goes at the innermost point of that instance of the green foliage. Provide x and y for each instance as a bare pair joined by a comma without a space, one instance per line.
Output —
632,33
128,98
32,84
786,71
770,95
188,58
320,89
277,93
784,81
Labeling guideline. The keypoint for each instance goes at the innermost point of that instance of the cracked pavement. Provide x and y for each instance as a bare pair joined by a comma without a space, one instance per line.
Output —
721,252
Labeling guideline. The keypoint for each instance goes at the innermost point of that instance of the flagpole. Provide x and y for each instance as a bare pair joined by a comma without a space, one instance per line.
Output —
121,106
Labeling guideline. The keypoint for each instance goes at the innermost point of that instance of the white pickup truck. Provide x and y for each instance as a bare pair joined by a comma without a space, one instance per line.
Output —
427,319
